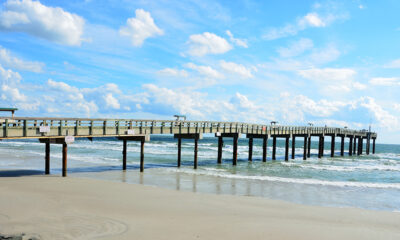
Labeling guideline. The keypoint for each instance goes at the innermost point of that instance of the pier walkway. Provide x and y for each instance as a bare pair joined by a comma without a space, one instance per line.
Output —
65,130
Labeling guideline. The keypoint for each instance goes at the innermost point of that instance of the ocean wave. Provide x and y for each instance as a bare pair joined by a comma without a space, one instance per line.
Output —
343,168
291,180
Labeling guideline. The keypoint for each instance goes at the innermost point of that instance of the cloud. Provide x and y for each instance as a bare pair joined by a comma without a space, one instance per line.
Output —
206,71
332,80
296,48
140,28
393,64
383,117
50,23
237,69
207,43
7,60
111,101
237,41
382,81
324,55
172,72
310,20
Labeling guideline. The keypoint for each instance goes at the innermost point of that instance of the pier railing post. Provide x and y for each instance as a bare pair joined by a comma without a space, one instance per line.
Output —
274,148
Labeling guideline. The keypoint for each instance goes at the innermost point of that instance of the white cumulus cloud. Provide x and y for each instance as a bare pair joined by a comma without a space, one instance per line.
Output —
140,28
237,41
206,71
111,101
237,69
207,43
172,72
50,23
385,81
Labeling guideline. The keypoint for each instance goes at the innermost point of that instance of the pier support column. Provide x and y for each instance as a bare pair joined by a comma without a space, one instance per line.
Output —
265,142
332,146
368,143
274,148
342,146
293,146
47,158
350,146
140,138
235,137
220,145
235,148
179,151
309,147
142,155
124,149
354,145
195,153
373,145
250,149
286,148
305,148
322,145
359,146
64,159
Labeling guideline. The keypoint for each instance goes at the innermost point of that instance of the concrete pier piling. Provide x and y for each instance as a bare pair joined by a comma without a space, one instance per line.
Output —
250,149
274,148
65,130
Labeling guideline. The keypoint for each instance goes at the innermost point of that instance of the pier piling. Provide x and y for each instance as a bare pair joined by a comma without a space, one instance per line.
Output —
351,146
305,148
179,151
354,145
250,149
195,152
124,150
293,146
332,146
286,148
342,146
309,147
265,142
142,155
235,148
220,145
373,146
64,159
47,158
274,148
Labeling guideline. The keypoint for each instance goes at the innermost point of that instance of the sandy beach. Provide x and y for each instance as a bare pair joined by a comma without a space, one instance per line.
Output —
51,207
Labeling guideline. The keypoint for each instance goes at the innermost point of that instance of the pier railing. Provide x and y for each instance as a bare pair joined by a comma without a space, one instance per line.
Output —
28,127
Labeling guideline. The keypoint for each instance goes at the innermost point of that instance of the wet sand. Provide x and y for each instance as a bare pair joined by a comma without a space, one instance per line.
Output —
51,207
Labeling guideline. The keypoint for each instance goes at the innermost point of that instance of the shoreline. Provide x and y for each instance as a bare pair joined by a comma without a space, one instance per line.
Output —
83,208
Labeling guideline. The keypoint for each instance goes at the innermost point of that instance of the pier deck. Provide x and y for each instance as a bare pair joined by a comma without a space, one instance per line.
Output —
65,130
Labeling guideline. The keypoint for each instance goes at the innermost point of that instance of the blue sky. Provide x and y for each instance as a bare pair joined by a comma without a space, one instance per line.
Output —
334,63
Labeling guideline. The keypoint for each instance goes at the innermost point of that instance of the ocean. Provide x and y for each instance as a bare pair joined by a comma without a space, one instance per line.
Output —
366,181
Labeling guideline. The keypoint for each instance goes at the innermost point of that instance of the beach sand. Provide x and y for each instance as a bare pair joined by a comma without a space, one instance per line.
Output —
51,207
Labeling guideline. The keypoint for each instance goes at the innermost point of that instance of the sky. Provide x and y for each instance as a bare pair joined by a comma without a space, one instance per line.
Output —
334,63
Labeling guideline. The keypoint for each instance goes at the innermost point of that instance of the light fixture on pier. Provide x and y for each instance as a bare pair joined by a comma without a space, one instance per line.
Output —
274,122
179,117
311,124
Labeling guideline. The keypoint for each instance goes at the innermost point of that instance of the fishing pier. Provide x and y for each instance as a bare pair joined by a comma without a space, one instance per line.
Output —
64,131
